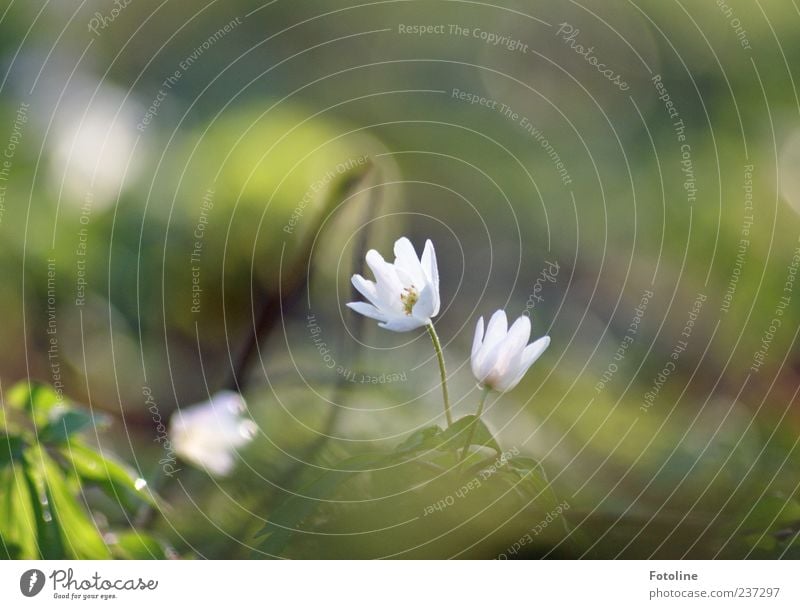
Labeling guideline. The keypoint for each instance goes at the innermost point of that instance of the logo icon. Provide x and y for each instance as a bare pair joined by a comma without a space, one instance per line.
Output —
31,582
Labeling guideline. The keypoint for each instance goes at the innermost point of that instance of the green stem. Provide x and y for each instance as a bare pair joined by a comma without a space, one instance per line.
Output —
437,345
473,425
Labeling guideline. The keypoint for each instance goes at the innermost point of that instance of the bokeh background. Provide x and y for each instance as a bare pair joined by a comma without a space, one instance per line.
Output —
179,177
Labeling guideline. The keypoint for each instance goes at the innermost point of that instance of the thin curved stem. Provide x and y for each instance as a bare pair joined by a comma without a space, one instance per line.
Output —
473,425
437,345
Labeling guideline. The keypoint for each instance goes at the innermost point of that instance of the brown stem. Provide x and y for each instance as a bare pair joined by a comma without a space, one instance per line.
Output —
282,298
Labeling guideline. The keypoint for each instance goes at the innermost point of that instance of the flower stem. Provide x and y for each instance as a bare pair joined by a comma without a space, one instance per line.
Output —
437,345
473,425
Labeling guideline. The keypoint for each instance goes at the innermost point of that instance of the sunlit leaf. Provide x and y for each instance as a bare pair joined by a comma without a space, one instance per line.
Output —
65,422
112,477
79,536
37,399
48,532
17,520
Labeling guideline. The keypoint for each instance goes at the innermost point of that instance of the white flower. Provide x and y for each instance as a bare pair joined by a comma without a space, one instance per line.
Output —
208,434
404,295
501,358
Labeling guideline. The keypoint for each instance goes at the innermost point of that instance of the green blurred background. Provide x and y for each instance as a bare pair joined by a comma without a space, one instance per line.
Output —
561,196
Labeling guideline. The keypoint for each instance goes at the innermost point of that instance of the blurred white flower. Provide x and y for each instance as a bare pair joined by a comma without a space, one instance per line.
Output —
208,434
92,147
501,358
405,294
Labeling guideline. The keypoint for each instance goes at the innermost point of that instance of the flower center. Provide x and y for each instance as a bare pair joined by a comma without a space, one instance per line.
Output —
409,298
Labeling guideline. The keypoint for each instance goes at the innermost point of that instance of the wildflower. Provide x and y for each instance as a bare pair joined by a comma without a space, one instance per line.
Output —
500,358
405,294
208,434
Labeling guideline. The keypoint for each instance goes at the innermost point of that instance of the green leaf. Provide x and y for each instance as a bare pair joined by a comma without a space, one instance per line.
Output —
92,468
79,536
456,435
17,520
9,550
427,438
133,545
535,485
48,532
37,399
287,518
11,448
65,422
771,514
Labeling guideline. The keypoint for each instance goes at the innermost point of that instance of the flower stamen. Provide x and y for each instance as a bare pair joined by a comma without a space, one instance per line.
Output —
409,298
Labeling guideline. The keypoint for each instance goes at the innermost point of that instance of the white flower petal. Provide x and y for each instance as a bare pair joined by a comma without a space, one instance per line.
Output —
366,288
528,357
513,344
402,324
484,363
367,310
478,340
496,330
406,260
228,400
384,272
495,333
423,309
533,352
388,285
431,270
218,463
507,384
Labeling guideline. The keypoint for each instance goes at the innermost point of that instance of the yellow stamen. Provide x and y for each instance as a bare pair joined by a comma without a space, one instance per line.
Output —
409,298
